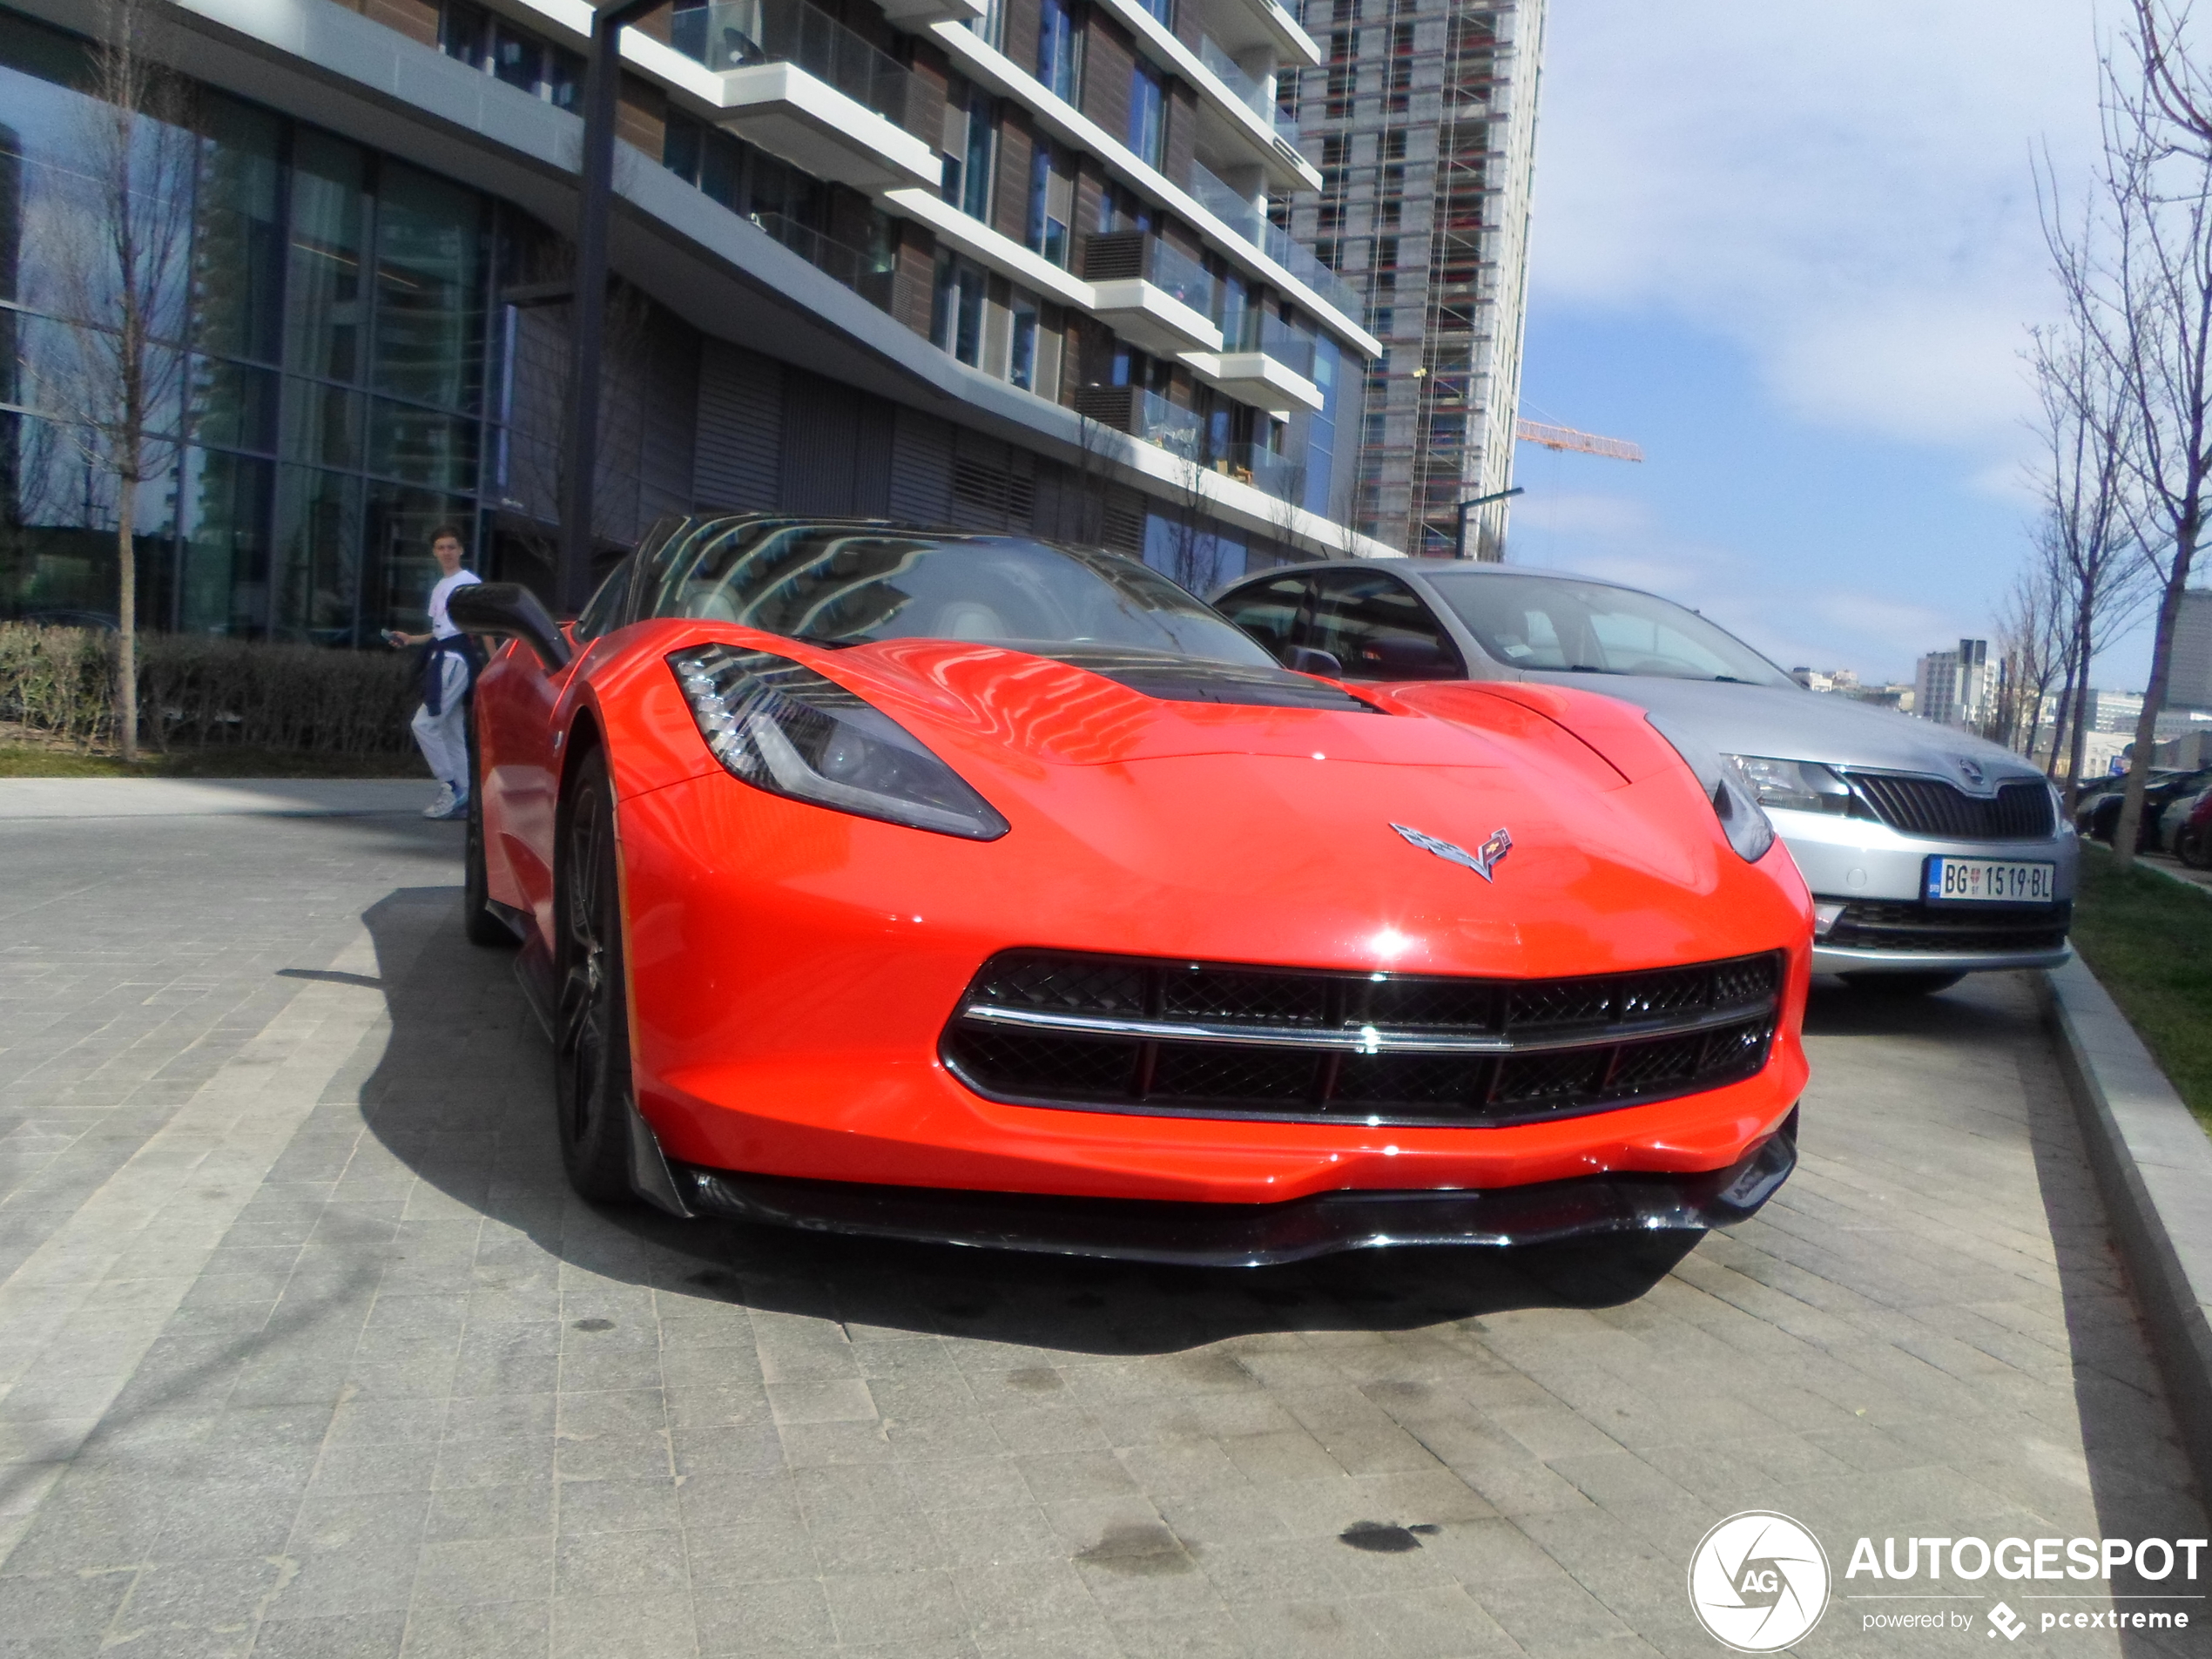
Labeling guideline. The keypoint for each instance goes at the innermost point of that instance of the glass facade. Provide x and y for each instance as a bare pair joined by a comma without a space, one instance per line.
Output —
336,345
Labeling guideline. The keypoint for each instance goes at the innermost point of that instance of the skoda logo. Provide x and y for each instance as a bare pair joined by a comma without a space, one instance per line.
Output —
1758,1581
1970,771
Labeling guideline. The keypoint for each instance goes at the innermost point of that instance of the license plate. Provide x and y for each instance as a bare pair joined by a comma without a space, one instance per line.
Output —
1991,882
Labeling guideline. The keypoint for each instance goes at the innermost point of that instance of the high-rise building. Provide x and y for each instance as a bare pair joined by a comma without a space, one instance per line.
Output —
1422,116
1000,264
2188,684
1953,687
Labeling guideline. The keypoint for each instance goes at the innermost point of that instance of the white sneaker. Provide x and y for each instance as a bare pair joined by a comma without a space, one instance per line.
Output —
441,806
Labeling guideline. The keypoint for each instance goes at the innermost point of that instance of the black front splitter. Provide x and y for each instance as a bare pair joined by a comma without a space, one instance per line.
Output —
1236,1234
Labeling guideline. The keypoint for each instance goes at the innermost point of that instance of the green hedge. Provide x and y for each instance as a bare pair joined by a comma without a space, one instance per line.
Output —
200,690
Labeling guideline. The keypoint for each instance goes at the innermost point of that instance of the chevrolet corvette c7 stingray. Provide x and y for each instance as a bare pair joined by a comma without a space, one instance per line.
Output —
946,886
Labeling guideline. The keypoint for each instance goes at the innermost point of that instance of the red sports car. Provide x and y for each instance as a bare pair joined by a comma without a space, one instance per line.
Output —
961,887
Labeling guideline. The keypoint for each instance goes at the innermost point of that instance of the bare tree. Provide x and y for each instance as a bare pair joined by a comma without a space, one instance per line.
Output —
2085,550
2138,282
119,257
2030,643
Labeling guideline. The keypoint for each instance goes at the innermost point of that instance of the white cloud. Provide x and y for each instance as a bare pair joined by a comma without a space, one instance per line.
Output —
1843,189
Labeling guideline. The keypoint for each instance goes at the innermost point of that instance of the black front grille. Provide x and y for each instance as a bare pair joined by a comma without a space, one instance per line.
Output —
1219,1041
2019,812
1882,924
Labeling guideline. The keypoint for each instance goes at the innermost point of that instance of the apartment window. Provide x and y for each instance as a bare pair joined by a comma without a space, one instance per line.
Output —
967,149
1051,205
523,60
1059,50
956,316
1022,365
976,168
707,157
1162,10
1148,113
1236,310
991,26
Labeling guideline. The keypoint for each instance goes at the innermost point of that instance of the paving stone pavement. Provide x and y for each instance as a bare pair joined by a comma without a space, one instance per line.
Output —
306,1350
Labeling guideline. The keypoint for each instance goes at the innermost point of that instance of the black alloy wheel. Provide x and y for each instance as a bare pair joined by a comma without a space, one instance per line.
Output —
1902,985
477,918
2193,847
591,1020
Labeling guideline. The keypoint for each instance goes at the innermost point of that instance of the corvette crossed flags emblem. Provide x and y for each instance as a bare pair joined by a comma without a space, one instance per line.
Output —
1483,860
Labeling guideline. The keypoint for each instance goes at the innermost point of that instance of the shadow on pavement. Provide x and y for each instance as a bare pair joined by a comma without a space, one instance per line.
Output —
463,1095
2129,1436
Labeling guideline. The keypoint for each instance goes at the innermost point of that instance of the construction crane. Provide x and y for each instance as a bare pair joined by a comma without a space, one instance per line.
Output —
1566,437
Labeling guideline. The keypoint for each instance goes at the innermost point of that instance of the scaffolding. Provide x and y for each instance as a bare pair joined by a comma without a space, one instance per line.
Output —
1423,117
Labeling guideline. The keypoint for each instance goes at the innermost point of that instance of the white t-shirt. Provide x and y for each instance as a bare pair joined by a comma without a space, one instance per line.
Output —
441,626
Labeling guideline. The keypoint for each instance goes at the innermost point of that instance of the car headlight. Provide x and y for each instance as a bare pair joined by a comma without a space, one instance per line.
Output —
780,727
1798,786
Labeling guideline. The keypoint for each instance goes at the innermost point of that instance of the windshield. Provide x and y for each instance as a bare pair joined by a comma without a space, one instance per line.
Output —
1591,628
842,585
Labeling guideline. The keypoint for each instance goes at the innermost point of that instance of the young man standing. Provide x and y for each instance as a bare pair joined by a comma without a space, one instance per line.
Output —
449,665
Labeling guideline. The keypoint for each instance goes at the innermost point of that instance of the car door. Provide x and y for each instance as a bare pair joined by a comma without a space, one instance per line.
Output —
1379,628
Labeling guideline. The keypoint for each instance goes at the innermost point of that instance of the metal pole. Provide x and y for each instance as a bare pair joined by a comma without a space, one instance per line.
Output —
588,319
1459,544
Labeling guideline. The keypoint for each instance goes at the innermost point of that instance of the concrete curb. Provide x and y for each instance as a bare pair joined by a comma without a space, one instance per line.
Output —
2155,1165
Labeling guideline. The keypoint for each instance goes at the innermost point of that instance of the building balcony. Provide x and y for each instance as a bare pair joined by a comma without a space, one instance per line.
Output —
1143,415
801,85
1260,379
1247,219
1158,299
916,16
1265,470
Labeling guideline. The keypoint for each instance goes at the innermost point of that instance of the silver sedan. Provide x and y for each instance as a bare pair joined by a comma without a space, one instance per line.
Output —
1931,853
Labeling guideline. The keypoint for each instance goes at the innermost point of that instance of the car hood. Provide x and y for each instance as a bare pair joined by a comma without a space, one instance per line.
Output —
999,704
1789,724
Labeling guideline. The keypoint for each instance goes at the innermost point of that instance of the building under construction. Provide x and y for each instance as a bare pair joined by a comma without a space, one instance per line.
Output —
1423,118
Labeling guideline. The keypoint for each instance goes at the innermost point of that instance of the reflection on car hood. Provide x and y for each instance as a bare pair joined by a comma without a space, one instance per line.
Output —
1791,723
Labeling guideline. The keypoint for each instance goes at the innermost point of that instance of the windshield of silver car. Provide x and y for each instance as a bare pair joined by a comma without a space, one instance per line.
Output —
839,585
1545,622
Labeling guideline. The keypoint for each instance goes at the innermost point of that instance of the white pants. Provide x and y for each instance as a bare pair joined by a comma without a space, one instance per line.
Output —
444,737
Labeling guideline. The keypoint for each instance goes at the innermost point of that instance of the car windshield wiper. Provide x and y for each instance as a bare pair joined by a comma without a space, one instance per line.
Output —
1591,668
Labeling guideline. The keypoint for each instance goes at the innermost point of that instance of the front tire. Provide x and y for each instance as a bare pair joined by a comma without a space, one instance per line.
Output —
2193,848
591,1023
1901,984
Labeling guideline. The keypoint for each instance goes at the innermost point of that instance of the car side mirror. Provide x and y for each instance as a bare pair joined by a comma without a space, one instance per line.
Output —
1307,659
512,609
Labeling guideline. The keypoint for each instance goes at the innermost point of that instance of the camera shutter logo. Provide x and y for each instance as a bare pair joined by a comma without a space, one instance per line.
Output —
1758,1581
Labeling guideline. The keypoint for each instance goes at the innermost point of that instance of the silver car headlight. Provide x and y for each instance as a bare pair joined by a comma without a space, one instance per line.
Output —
780,727
1795,785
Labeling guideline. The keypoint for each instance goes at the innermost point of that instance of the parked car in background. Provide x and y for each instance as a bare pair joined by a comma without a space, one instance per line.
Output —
1930,852
2099,818
2187,830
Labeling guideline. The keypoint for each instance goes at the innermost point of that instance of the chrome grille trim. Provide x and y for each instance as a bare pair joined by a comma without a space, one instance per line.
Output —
1364,1040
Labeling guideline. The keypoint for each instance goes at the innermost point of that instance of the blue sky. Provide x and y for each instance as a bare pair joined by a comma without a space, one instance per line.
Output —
1793,252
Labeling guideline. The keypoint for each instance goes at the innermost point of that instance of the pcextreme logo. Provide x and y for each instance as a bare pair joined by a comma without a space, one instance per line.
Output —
1758,1581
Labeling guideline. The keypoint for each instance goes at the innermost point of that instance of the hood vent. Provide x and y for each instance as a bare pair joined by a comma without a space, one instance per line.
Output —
1187,679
